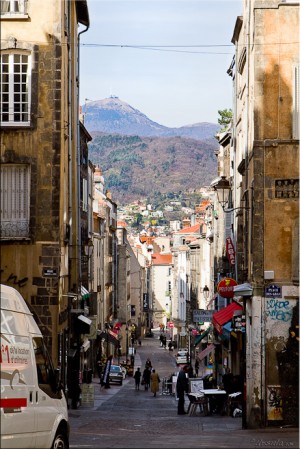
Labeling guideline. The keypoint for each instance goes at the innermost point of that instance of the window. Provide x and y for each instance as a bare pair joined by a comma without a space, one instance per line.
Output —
84,195
14,201
15,89
45,372
13,7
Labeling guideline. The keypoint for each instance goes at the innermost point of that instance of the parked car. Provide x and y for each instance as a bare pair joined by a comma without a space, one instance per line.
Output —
181,357
116,374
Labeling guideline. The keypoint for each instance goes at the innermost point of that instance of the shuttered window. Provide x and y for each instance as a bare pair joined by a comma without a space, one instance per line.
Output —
10,7
296,102
15,88
15,201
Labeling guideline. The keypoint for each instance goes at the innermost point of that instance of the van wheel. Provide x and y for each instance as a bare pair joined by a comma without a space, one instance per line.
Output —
60,441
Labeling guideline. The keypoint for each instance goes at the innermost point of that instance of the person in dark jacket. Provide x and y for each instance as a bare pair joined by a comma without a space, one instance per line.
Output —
146,378
182,386
137,378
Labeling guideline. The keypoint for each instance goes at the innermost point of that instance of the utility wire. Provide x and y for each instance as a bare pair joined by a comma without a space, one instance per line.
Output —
165,48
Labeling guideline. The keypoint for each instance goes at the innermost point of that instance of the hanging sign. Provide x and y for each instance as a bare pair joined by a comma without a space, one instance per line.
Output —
225,287
206,351
230,251
145,302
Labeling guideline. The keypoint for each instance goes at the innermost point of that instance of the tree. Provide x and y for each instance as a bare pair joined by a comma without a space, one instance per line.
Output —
225,118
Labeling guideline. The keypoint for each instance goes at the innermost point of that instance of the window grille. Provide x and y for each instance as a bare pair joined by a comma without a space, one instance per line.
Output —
15,201
15,89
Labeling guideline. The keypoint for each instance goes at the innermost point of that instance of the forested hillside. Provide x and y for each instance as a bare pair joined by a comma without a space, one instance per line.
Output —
135,167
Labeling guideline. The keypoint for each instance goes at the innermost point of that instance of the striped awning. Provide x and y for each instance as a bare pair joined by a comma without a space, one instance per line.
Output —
84,293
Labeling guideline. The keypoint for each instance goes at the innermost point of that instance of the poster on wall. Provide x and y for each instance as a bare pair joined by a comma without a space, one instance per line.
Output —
274,403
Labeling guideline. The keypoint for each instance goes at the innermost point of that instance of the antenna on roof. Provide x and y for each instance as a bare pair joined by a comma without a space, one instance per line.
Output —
112,95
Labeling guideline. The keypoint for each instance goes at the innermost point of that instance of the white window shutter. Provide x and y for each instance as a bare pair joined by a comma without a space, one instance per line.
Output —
228,222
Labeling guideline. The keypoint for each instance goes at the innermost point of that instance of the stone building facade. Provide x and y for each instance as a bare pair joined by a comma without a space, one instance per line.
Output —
41,184
265,198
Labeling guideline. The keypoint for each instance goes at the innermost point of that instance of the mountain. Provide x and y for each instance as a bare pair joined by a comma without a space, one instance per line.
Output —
113,115
140,158
150,167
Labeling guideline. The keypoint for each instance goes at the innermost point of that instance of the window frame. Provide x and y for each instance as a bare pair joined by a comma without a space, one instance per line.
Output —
13,13
9,77
15,191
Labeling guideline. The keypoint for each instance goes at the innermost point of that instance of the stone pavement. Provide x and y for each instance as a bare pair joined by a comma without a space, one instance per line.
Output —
122,417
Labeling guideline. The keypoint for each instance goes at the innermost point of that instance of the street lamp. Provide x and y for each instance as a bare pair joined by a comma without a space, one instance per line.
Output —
205,293
222,185
89,249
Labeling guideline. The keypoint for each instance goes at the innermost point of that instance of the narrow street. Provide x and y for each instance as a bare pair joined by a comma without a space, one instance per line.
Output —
125,418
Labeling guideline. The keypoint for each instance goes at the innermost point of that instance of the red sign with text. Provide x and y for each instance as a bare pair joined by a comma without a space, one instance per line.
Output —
225,287
230,251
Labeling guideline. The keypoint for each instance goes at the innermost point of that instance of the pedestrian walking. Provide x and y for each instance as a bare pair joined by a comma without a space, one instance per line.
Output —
182,386
148,363
161,338
137,378
146,378
170,346
154,382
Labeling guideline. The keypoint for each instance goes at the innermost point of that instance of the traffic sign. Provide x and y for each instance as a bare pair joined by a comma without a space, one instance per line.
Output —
171,324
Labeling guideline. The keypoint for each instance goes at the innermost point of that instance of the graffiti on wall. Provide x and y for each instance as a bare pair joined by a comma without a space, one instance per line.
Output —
13,279
279,309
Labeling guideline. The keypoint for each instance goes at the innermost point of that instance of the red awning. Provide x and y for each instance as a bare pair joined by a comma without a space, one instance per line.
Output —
224,315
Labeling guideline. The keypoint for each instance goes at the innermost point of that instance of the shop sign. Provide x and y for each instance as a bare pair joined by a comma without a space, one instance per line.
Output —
273,291
201,315
239,323
145,302
225,287
230,251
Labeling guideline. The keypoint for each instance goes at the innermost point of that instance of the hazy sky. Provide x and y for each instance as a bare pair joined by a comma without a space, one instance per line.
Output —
178,85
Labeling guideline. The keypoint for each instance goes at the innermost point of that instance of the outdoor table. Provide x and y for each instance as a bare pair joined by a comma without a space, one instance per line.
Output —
214,402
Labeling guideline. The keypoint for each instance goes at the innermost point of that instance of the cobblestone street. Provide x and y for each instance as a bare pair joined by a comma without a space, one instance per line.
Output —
125,418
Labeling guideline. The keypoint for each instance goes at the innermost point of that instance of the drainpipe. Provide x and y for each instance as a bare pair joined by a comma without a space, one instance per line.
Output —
78,164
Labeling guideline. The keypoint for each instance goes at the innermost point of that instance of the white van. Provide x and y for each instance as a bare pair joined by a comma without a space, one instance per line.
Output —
34,410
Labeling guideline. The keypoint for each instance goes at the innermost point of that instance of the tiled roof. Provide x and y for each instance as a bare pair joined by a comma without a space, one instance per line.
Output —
189,230
161,259
121,224
146,239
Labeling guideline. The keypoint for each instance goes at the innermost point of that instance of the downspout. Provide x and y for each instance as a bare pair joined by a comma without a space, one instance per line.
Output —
78,165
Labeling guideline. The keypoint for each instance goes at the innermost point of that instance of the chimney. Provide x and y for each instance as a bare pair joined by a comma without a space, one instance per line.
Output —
186,222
